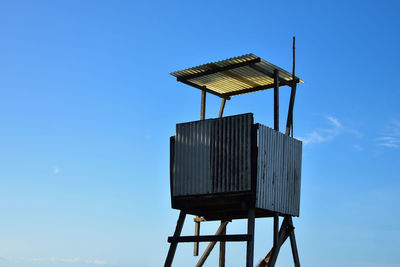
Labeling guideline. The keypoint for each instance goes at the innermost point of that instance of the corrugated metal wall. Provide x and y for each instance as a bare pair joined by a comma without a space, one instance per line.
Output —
279,172
213,156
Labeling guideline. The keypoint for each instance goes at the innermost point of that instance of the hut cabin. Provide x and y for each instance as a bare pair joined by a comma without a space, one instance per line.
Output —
231,167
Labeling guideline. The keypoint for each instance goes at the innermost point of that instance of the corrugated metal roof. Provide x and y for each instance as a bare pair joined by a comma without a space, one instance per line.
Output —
234,76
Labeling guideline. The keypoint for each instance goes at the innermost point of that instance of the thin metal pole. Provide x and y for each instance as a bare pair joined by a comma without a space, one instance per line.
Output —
203,105
250,243
172,247
221,110
294,83
276,100
294,57
289,123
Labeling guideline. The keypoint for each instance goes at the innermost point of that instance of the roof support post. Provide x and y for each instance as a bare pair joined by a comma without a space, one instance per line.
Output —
276,100
289,123
221,109
203,105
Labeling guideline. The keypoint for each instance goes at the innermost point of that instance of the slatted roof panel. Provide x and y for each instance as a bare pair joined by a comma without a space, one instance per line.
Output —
234,76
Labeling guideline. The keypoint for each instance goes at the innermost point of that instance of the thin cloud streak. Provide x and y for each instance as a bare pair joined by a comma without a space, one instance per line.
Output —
335,128
56,170
321,135
335,122
391,137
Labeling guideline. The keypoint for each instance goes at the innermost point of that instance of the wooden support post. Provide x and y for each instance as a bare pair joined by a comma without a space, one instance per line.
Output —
250,243
172,247
211,245
196,233
203,105
276,100
221,109
289,122
222,247
276,229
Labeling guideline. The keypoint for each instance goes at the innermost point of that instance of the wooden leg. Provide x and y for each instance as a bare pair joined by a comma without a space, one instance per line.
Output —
250,243
294,246
222,246
172,247
276,229
196,233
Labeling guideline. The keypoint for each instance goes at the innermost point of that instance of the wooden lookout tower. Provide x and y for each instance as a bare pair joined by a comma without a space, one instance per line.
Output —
233,168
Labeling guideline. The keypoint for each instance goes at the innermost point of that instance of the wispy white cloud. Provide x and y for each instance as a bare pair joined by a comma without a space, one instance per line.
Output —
71,260
3,259
331,131
391,136
358,147
321,135
335,122
56,170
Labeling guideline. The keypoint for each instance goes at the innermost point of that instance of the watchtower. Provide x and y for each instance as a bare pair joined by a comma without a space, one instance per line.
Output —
233,168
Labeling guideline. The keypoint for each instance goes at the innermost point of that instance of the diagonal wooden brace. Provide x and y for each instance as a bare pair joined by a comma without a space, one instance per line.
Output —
211,245
286,231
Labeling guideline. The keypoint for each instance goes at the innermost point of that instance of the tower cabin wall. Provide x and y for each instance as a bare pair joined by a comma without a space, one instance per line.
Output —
225,165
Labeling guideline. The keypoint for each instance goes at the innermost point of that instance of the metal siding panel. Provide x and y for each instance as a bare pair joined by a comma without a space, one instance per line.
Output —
279,172
209,152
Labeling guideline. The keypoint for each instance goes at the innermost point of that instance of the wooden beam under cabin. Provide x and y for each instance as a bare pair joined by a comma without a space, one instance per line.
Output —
209,238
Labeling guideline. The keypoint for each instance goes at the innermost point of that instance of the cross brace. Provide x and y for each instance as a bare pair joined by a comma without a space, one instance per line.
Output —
220,236
287,230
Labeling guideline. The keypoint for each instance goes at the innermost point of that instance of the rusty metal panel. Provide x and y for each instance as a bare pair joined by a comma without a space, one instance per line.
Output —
213,156
278,172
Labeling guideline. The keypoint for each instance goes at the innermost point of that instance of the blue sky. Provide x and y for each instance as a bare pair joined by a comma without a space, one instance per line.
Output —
87,106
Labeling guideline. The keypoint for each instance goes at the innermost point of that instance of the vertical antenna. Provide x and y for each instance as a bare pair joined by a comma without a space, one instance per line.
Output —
289,122
294,56
294,83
